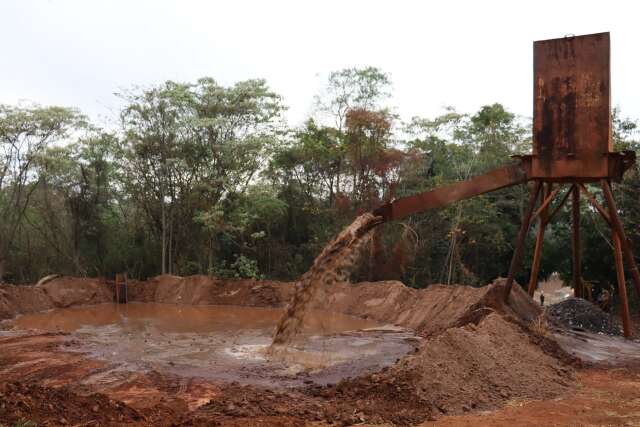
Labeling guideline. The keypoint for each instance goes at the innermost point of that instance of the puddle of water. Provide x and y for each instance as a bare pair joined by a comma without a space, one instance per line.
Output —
599,348
226,342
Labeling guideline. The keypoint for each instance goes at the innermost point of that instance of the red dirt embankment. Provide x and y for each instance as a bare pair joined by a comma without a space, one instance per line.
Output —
202,290
478,353
192,290
57,293
427,311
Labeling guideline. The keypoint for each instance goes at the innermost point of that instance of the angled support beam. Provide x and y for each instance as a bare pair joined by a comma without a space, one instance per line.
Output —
575,243
616,224
522,234
542,224
594,202
559,206
448,194
622,285
548,198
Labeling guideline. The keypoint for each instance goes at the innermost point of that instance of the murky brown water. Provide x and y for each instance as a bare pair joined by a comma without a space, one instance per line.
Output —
225,342
169,318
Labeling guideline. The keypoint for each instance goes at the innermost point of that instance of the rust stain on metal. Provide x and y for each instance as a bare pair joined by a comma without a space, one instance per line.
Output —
571,144
571,128
572,107
445,195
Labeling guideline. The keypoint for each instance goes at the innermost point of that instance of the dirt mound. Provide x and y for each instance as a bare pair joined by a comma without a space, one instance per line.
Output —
427,311
202,290
580,314
194,290
468,368
15,300
482,366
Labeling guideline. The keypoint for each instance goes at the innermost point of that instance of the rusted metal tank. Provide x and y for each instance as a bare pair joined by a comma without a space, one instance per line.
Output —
572,109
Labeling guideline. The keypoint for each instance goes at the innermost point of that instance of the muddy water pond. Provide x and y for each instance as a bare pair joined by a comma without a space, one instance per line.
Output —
225,342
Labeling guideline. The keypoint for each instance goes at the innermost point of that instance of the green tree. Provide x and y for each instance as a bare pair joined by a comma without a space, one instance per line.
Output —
190,146
350,88
25,132
74,195
156,131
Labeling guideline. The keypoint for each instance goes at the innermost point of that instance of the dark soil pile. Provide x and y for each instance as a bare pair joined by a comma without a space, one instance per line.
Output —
59,406
580,314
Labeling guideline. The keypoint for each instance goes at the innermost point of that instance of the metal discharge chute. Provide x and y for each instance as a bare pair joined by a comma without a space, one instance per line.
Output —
572,146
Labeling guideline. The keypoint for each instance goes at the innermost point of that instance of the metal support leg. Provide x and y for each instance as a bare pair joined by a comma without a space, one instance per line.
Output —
616,224
577,270
117,288
522,234
542,224
622,285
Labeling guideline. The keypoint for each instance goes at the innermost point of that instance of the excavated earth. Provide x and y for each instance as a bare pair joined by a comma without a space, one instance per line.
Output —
392,355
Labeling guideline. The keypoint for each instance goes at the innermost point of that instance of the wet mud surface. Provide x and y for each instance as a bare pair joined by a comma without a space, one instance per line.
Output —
600,349
226,343
608,397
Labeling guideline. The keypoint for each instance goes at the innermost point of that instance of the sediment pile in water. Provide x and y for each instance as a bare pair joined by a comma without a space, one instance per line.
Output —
333,265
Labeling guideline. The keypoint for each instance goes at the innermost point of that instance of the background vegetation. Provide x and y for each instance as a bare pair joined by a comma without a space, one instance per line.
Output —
205,179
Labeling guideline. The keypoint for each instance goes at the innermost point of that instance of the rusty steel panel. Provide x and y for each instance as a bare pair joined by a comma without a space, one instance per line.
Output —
447,194
572,107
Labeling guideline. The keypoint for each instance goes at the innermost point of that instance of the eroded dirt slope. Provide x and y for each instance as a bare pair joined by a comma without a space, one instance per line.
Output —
200,290
428,311
59,292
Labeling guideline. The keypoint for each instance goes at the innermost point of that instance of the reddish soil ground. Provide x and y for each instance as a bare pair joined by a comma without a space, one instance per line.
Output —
602,398
479,364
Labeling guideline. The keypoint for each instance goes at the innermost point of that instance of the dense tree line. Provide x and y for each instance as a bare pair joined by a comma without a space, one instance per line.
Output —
199,178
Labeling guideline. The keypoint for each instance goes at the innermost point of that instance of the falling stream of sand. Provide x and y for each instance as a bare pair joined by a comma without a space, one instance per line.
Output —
334,264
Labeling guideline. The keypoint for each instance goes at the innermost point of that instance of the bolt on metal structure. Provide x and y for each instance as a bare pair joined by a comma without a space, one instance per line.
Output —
572,146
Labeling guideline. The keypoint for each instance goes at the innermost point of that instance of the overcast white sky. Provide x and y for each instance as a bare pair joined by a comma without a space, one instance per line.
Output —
460,53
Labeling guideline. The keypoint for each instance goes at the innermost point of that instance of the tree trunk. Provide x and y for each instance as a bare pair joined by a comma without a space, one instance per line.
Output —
170,263
2,266
210,257
164,238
